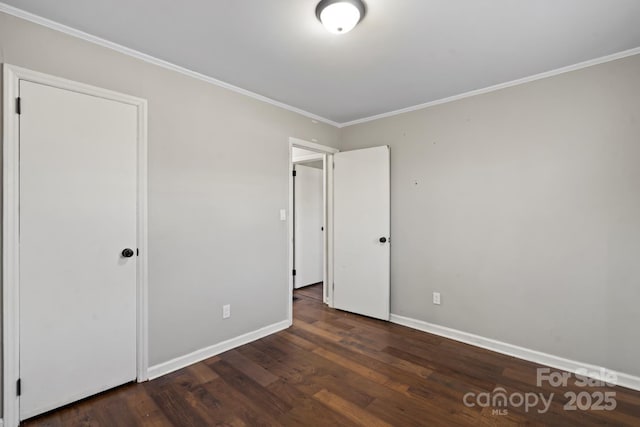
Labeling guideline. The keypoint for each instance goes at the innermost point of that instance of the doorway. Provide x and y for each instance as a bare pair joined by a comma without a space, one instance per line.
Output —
310,221
356,234
74,243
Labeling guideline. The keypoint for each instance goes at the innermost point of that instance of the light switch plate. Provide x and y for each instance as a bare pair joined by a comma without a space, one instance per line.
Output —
436,298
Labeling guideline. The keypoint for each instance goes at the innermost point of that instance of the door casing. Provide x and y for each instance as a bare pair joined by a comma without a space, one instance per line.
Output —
11,221
327,153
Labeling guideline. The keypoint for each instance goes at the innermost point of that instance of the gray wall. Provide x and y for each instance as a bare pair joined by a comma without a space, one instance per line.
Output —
215,236
522,207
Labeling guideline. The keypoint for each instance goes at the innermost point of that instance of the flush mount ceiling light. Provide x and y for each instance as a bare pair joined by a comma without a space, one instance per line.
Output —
340,16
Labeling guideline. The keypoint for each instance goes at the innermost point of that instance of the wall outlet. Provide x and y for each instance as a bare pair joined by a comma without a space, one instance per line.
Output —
436,298
226,311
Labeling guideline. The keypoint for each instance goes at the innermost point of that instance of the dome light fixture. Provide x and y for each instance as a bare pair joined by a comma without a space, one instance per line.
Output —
340,16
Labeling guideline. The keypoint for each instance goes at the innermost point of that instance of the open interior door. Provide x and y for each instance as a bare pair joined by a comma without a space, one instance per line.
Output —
308,205
362,232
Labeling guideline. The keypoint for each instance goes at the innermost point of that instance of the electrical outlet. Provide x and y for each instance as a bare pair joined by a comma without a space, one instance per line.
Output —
226,311
436,298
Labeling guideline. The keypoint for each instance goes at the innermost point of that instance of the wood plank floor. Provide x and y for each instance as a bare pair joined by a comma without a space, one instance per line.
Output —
337,369
312,292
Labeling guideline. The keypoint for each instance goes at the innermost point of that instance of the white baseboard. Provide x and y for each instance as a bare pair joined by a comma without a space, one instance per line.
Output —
623,380
205,353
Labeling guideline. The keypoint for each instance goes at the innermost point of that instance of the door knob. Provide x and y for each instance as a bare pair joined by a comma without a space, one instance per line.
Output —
383,240
127,253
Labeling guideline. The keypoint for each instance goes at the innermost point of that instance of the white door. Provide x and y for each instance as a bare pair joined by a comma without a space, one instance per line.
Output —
361,231
308,203
77,214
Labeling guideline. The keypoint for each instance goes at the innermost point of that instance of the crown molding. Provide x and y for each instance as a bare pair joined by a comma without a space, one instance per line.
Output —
551,73
28,16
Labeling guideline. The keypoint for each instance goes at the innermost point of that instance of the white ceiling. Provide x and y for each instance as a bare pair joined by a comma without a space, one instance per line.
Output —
404,52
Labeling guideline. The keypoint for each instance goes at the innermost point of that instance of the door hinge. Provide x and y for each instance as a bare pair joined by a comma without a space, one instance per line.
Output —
19,387
293,272
294,173
18,105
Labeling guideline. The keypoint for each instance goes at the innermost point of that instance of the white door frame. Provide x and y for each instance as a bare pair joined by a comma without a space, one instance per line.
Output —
327,184
309,158
11,223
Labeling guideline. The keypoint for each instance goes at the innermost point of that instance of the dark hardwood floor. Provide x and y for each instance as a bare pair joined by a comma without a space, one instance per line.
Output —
337,369
312,292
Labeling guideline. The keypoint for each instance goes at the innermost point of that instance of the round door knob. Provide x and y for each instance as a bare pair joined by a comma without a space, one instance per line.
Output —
383,240
127,253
